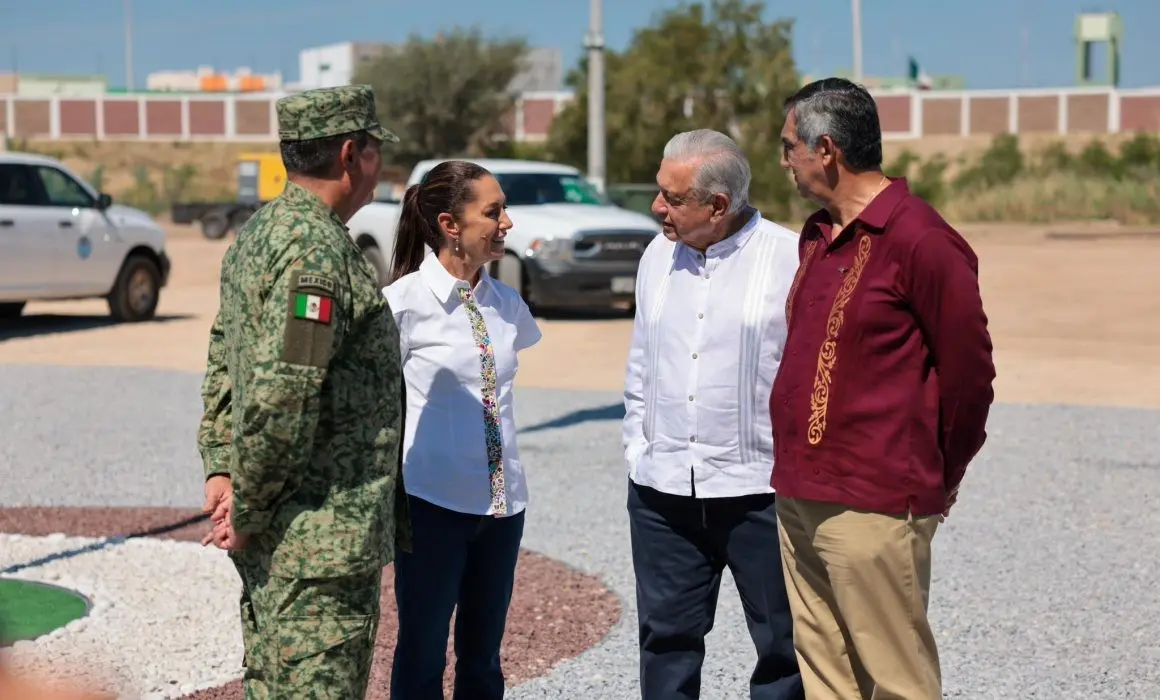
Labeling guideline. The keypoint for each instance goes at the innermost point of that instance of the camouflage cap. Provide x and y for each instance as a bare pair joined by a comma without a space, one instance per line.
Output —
316,114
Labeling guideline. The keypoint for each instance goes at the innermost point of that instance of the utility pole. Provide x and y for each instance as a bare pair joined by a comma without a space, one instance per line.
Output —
594,42
129,45
856,12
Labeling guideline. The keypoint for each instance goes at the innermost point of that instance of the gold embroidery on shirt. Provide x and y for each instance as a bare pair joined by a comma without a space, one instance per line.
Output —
828,355
797,278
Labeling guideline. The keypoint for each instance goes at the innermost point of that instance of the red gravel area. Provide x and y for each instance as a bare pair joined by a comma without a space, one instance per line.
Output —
556,612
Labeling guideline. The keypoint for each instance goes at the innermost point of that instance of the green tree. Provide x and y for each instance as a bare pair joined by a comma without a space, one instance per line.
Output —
717,65
447,96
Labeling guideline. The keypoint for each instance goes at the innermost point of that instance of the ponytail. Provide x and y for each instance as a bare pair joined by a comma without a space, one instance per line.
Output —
412,236
446,188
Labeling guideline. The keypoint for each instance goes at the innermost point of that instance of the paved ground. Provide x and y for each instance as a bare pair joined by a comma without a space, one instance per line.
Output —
1073,321
1044,586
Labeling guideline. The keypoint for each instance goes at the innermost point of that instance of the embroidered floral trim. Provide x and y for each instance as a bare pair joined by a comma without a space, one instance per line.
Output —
801,272
828,355
492,432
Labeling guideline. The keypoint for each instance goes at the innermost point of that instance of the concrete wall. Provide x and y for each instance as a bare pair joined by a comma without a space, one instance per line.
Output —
1045,111
904,115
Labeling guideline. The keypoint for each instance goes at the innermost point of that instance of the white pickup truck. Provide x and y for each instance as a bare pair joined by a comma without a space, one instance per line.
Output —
61,239
569,247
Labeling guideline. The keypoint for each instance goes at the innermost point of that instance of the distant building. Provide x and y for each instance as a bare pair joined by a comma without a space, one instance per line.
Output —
337,64
535,112
538,87
543,71
206,79
53,85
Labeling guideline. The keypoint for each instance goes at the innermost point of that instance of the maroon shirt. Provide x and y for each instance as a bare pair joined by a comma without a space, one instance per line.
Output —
883,391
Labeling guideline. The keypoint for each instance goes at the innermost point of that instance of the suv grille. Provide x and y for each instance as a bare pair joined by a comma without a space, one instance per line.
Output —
612,246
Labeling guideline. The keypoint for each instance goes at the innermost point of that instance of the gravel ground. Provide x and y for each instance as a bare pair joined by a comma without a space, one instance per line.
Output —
556,612
134,622
1044,586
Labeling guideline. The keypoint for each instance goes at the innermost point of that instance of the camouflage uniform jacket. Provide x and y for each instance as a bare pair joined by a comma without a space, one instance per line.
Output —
303,394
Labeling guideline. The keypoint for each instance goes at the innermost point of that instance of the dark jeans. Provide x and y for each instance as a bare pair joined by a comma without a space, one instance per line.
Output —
460,560
680,548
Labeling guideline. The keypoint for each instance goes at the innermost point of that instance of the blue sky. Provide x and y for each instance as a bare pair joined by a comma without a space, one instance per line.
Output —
993,43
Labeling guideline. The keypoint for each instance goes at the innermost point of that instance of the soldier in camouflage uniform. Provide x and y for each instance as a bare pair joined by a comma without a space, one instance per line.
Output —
303,401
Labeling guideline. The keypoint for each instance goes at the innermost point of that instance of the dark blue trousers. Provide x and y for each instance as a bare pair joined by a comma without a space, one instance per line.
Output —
680,548
463,564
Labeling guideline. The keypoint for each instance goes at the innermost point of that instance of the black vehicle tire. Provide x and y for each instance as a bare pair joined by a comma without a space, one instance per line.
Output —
137,290
215,226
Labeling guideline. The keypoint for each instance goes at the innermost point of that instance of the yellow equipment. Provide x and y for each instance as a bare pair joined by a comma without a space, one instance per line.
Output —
261,177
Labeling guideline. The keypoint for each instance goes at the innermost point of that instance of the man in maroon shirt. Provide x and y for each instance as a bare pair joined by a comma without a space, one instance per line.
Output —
879,404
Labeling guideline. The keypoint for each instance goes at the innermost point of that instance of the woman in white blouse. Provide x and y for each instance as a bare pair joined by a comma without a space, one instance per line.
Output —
460,332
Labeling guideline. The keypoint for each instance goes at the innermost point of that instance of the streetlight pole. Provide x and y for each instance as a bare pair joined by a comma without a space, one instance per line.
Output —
129,45
594,42
856,22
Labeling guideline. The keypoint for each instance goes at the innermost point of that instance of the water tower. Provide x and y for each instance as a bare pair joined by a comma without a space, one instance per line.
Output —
1092,28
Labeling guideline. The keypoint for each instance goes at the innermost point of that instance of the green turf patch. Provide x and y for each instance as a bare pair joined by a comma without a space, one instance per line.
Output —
29,609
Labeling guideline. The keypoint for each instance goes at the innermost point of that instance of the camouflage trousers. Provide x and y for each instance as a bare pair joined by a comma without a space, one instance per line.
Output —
307,638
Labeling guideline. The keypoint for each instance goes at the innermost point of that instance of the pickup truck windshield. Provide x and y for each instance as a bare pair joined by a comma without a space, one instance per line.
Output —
548,188
526,189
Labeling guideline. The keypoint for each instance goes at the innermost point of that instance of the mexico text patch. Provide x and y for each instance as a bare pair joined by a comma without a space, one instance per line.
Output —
311,281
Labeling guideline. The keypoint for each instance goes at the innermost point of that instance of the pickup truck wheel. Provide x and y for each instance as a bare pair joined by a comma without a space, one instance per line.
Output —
137,290
376,257
11,309
215,226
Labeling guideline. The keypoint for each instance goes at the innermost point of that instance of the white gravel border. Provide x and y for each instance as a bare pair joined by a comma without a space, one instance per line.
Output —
163,621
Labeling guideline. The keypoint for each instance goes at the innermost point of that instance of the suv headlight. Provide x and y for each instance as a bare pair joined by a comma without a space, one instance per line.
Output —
550,249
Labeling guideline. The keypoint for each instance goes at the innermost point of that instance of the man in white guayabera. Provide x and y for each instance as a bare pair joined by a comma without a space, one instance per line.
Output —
707,341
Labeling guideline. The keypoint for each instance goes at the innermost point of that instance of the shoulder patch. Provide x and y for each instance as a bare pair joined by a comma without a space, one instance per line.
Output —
309,335
312,296
310,280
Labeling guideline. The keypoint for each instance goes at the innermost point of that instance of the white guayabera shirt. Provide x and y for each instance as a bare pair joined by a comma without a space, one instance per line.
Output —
708,338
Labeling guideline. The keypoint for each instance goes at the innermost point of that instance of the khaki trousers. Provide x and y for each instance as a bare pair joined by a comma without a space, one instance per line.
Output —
858,586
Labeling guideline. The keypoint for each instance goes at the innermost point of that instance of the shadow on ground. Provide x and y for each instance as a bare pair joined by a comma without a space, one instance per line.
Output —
1102,235
613,411
48,324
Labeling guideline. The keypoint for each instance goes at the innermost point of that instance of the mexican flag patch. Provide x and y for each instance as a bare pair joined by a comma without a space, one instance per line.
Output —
312,307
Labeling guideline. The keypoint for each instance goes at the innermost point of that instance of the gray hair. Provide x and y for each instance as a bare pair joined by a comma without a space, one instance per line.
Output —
723,169
844,111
